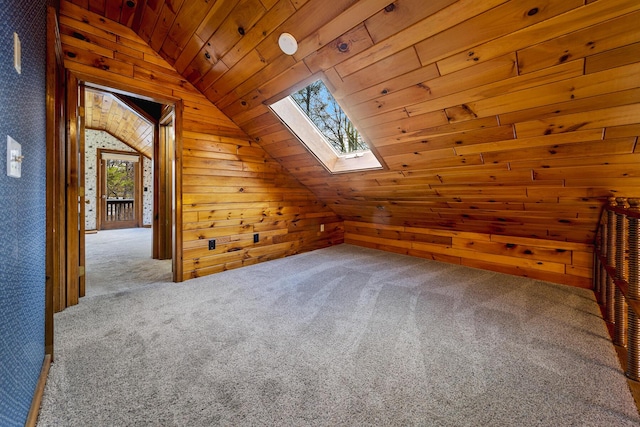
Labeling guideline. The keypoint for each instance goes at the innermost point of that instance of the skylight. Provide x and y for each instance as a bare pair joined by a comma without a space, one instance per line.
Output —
319,122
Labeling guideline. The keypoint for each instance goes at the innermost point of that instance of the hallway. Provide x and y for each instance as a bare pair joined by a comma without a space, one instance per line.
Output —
120,260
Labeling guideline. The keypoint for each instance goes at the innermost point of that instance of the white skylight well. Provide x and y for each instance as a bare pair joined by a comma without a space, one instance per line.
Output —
319,122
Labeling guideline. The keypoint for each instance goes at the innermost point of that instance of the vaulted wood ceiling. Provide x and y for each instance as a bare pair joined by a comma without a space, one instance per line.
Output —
511,117
110,113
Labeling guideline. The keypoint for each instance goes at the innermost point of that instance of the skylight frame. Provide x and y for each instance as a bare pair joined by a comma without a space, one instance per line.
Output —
306,131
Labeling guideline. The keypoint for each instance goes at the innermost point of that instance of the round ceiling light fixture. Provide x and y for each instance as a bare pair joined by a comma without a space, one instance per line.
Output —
288,43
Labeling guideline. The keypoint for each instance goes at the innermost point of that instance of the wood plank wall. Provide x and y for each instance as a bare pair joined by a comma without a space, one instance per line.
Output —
231,187
553,261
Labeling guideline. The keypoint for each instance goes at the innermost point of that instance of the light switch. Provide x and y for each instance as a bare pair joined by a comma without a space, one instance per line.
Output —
17,53
14,158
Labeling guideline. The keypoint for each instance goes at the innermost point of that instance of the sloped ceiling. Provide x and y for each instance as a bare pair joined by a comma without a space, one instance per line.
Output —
494,116
112,114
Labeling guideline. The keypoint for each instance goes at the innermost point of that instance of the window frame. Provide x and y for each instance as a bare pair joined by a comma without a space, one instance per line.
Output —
296,120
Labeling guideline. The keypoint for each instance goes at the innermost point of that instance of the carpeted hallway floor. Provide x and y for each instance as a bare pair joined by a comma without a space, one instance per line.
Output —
339,336
117,260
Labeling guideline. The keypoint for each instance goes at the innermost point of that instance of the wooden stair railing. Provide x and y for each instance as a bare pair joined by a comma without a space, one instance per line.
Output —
617,278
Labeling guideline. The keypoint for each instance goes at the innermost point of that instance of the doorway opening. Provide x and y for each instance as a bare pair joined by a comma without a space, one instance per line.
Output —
120,191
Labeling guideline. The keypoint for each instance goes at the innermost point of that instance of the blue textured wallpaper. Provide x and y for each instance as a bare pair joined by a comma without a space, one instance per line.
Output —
22,208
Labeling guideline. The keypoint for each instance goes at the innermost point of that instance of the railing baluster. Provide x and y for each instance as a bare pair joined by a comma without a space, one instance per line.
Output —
120,210
620,331
603,251
603,271
633,293
611,253
596,269
603,285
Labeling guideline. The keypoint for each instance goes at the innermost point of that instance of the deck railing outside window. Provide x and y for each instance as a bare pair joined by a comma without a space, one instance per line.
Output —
120,210
617,277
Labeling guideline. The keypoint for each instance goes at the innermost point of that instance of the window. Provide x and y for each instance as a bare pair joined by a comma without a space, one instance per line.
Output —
319,122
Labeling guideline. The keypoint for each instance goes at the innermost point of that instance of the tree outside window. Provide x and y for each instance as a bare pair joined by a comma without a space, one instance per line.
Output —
120,179
323,110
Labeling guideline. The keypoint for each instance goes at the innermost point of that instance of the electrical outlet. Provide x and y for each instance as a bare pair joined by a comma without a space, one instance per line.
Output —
321,227
256,238
212,244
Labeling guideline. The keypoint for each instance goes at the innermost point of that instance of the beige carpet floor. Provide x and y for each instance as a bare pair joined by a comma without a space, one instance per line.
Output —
117,260
339,336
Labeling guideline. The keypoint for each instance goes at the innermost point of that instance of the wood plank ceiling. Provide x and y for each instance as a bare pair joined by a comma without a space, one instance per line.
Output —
506,117
114,115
